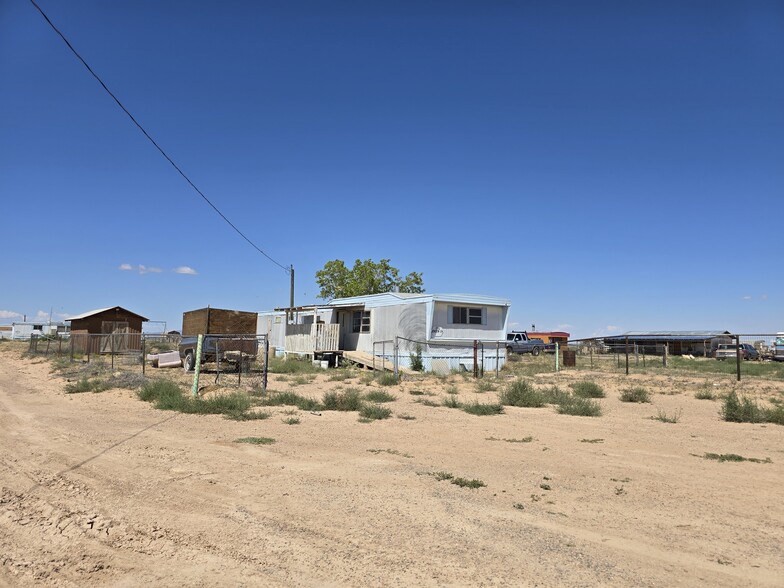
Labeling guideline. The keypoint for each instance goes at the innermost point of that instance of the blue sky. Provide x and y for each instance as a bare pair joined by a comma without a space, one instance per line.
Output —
607,166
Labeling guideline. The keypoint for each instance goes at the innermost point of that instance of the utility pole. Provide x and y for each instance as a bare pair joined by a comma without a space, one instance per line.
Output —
291,292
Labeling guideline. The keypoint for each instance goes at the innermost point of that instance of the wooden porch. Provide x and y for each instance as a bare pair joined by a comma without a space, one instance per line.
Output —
313,338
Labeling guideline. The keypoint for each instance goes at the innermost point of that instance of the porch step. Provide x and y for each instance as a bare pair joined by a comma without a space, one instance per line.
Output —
367,360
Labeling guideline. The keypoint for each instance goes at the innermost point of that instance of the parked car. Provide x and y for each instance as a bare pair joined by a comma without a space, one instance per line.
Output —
730,350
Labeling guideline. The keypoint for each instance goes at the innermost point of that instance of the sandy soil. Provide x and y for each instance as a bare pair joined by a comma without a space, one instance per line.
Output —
102,489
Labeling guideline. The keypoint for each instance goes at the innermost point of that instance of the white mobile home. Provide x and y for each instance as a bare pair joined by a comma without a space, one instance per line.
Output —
442,327
24,330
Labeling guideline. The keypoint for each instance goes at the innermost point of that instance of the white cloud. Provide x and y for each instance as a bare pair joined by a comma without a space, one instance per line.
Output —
184,269
612,329
564,326
41,316
746,297
9,314
144,269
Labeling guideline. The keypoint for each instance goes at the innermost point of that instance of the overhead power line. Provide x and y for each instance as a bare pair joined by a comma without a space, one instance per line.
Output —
155,144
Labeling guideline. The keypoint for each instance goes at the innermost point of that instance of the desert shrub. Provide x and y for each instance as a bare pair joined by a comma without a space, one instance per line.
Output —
578,406
250,415
741,410
704,395
256,440
128,380
278,365
417,364
347,400
636,394
587,389
341,375
667,418
554,395
521,393
155,389
233,403
483,409
775,415
387,379
167,395
485,386
380,396
86,385
451,401
466,483
374,412
291,399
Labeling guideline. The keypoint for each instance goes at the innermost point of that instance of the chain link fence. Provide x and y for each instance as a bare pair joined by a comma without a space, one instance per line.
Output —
445,357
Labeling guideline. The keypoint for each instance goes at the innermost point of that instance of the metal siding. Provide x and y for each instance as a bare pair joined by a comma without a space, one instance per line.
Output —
494,330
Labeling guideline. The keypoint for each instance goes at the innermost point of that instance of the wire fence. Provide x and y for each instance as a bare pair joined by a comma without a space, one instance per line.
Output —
232,361
736,354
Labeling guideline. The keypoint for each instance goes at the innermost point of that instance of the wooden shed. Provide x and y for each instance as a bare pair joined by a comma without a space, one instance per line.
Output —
218,321
119,329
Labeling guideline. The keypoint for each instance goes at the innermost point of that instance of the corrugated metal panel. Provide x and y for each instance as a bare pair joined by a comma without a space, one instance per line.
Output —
389,298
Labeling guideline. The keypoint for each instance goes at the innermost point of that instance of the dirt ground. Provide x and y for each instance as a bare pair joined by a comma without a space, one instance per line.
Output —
103,489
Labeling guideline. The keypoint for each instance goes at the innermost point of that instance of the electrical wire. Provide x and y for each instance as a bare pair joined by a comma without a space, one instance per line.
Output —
155,144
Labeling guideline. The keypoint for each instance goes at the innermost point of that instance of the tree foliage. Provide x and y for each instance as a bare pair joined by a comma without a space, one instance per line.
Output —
336,280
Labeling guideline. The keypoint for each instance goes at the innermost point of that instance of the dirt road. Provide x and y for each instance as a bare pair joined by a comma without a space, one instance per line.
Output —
102,489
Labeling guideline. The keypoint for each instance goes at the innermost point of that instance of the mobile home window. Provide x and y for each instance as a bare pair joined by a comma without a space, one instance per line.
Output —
361,321
465,315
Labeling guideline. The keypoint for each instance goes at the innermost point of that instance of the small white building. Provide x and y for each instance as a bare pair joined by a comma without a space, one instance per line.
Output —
442,327
24,330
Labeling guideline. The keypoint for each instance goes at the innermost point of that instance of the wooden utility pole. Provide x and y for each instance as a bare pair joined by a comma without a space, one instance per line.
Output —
291,291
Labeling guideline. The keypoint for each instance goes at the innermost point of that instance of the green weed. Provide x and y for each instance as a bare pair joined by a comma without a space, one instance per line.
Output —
380,396
521,393
587,389
374,412
349,399
478,409
256,440
636,394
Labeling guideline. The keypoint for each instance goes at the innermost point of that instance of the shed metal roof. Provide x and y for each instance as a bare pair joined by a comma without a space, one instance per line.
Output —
669,335
100,310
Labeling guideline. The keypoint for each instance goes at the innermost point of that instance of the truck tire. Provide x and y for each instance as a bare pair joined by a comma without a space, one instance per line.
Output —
535,351
188,362
509,350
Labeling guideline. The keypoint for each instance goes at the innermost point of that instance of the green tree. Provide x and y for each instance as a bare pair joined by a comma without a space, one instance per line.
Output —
335,280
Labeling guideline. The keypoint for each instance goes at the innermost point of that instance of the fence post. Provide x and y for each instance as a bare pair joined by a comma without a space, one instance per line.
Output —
144,356
737,354
557,357
636,355
72,346
664,355
627,355
497,356
111,346
197,367
239,363
590,350
476,365
266,363
395,358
